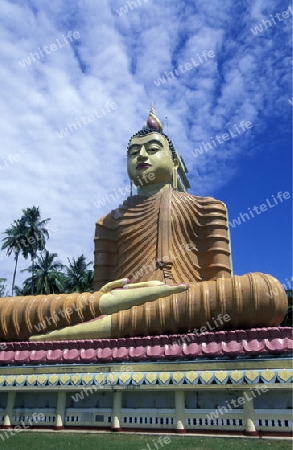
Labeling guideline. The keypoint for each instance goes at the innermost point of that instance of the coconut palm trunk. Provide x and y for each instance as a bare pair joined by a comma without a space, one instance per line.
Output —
14,272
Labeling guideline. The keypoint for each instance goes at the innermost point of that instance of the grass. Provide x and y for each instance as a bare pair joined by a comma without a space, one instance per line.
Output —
109,441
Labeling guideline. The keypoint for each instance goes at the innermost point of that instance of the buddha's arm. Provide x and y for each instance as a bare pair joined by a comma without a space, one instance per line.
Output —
120,295
117,296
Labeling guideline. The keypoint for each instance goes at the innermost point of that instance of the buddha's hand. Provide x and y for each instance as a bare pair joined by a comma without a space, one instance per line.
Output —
120,294
117,295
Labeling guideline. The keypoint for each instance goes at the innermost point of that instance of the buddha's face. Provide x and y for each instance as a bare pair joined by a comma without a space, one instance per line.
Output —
149,160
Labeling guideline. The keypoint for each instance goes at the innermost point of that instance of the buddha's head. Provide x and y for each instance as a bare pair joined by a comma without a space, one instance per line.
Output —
151,156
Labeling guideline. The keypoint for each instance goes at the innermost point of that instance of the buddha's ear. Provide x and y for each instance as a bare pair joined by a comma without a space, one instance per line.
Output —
175,167
175,163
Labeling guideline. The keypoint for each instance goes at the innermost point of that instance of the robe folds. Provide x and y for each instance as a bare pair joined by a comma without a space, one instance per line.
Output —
171,236
22,317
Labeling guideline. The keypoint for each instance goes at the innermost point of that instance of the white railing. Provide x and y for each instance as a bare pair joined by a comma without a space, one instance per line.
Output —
211,419
276,420
29,416
147,418
273,419
94,417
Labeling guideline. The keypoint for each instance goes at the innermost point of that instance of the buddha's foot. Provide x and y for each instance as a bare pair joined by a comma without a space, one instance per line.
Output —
94,329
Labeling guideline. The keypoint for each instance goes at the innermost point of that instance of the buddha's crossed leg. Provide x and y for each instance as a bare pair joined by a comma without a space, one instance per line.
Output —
252,300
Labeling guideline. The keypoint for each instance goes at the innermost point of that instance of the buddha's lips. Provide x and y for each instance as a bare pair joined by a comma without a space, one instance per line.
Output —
143,165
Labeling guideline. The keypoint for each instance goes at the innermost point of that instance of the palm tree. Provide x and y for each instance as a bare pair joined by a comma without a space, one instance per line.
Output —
3,292
46,276
36,235
26,288
26,237
79,277
288,319
14,242
89,281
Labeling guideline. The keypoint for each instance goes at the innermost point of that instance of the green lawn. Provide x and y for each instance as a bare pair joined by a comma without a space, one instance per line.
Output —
110,441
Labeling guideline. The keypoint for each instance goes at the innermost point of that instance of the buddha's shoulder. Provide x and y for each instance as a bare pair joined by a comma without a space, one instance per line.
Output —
204,202
136,203
110,219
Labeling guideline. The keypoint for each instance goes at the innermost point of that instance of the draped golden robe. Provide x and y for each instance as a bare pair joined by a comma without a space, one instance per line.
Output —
177,237
171,236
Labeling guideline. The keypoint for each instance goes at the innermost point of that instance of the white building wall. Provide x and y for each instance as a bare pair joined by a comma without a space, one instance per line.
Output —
36,400
92,399
212,399
3,400
273,400
148,400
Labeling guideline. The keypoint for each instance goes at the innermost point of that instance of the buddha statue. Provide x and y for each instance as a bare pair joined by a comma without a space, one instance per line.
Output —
162,265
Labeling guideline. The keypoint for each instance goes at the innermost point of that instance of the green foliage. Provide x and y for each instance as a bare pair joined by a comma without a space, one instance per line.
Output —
288,320
51,277
36,235
3,288
12,244
46,277
78,277
26,236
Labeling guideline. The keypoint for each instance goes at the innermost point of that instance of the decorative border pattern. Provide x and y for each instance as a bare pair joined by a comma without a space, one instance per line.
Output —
103,380
225,344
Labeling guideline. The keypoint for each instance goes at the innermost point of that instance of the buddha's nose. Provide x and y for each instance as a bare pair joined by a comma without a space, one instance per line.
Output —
142,153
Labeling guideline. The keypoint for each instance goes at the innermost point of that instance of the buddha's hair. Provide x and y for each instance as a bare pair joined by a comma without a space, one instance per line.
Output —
145,131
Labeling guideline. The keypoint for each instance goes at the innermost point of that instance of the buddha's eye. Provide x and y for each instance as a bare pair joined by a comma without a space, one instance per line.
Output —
153,149
133,153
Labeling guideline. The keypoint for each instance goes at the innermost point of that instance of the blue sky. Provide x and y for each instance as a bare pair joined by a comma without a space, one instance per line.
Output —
109,70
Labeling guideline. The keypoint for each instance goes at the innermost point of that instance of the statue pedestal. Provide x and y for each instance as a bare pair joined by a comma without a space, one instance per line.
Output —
235,382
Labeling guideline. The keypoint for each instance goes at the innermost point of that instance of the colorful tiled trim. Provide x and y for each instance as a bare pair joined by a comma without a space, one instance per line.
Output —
221,377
